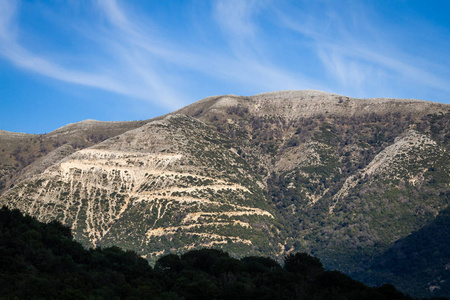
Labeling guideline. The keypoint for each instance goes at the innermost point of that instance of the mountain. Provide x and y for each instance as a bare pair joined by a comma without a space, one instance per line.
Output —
338,177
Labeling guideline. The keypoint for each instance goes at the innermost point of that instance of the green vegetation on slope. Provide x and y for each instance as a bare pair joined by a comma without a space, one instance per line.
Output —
167,187
310,160
419,263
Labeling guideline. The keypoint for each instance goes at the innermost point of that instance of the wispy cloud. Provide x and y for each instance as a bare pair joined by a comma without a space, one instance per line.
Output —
12,50
253,62
236,17
363,56
128,76
114,14
8,11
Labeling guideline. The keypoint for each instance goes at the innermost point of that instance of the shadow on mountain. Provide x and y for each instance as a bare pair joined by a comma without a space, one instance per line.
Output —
419,263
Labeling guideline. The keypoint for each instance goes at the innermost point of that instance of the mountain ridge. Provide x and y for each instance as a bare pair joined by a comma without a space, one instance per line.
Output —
298,100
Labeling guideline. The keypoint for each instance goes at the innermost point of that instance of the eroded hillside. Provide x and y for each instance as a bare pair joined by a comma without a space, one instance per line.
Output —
23,155
171,184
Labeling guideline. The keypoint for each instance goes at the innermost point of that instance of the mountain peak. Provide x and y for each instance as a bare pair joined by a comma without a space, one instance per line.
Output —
296,93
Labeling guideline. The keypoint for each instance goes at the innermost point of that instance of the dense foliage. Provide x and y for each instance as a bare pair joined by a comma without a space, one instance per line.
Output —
42,261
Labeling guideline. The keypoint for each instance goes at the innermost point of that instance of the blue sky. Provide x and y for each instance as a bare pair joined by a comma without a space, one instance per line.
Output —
110,60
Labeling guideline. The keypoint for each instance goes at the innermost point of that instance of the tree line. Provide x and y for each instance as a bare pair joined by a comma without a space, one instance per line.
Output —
42,261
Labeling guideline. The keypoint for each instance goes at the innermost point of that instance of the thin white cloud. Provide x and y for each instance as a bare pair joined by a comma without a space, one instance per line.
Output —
20,56
252,63
241,67
131,80
235,16
114,13
8,11
348,72
358,53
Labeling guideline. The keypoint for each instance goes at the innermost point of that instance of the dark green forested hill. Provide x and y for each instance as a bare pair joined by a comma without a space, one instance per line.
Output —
419,263
42,261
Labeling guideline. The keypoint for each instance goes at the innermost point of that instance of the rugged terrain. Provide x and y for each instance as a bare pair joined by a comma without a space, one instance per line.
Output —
341,178
170,185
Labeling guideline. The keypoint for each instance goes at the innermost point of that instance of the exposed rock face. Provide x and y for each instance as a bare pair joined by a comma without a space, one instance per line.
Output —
341,178
391,164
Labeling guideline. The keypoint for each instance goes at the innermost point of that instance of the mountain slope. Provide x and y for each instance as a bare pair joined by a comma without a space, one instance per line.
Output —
349,176
324,155
173,183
